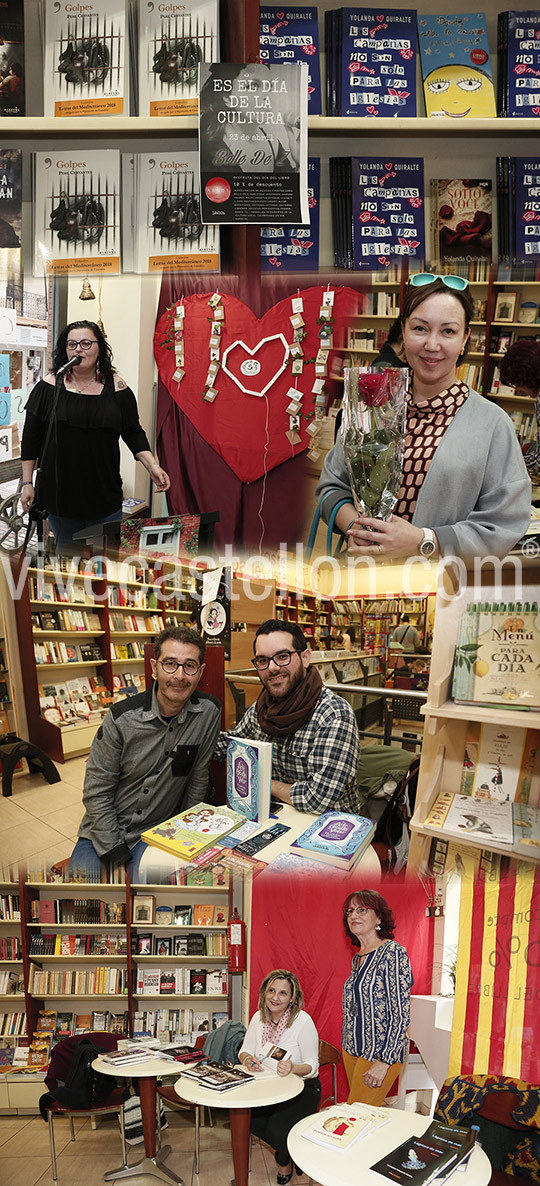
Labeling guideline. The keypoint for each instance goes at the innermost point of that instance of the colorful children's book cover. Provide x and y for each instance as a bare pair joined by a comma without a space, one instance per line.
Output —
292,35
336,837
387,210
522,67
249,777
498,656
173,40
463,219
527,209
377,62
456,70
499,763
192,831
85,58
295,248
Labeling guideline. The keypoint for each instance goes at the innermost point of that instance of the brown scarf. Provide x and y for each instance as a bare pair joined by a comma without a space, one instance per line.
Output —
280,718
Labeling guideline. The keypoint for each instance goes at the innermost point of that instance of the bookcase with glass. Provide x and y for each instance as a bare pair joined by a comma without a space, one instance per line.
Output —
479,779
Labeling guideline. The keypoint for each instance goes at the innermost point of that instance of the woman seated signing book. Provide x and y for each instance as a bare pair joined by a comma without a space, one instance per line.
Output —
465,490
281,1022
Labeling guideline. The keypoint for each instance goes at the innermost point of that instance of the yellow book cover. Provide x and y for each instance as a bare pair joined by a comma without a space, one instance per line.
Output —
498,657
190,833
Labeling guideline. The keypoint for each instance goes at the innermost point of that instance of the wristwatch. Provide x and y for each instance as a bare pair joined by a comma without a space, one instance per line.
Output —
428,545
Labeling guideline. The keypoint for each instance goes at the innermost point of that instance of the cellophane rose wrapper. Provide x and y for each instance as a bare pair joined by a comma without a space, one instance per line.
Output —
373,435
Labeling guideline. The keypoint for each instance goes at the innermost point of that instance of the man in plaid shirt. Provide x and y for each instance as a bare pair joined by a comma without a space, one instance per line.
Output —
314,732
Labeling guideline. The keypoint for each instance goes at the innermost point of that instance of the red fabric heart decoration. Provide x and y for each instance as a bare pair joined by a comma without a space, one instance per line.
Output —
235,424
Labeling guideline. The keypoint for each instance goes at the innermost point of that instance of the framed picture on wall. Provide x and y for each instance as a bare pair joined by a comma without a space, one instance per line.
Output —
505,306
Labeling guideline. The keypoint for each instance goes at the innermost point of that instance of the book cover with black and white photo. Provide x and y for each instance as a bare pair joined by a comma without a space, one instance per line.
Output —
76,210
85,59
12,74
173,41
170,235
253,143
292,35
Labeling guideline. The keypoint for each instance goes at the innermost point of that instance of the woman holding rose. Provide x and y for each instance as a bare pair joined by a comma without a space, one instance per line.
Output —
464,486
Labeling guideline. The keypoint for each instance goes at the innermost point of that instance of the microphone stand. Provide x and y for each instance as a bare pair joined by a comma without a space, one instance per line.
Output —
36,514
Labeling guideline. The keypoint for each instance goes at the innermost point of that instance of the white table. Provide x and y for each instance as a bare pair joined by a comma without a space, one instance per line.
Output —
147,1073
351,1168
258,1093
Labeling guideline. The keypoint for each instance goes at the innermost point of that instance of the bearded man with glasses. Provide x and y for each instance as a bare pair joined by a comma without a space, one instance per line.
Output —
150,757
316,745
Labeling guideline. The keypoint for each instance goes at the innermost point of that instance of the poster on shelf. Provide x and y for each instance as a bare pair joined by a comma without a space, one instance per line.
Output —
296,248
173,40
387,210
76,210
12,97
292,35
170,236
456,70
253,143
85,59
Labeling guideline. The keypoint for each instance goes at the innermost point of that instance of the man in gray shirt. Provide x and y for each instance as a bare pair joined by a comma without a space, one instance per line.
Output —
150,757
406,635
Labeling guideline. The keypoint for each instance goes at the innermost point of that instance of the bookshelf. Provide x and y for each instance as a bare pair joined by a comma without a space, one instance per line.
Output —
446,721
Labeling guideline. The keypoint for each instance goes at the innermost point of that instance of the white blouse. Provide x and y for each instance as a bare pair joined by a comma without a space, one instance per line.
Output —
300,1039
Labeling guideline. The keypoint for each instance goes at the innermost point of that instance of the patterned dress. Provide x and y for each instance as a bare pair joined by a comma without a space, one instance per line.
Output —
376,1004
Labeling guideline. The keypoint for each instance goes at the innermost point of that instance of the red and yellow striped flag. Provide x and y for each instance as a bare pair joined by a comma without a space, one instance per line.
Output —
498,977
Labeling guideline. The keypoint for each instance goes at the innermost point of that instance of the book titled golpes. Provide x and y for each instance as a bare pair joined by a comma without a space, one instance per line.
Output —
497,657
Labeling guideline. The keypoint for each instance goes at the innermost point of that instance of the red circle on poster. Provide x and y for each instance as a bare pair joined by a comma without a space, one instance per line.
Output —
217,190
479,56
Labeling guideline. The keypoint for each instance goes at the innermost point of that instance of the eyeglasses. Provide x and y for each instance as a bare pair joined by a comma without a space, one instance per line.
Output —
190,667
281,659
356,910
84,344
456,282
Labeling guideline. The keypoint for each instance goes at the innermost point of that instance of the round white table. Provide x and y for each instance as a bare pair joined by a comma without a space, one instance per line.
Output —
258,1093
351,1168
147,1073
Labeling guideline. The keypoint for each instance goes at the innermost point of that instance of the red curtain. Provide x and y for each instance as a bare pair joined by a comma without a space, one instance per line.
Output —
297,925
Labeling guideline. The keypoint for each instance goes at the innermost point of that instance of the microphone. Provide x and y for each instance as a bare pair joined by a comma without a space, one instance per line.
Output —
72,362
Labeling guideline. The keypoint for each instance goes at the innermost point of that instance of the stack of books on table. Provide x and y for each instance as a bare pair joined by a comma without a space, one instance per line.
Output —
217,1076
336,838
340,1126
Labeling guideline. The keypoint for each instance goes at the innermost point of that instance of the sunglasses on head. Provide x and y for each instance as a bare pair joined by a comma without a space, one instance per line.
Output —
456,282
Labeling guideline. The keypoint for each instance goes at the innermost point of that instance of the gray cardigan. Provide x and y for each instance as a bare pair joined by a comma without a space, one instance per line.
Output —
476,494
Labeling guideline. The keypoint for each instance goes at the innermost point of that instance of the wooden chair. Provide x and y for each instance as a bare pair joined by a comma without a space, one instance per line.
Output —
329,1056
57,1073
169,1096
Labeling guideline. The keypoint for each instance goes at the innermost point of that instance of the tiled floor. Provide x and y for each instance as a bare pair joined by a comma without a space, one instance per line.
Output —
40,821
25,1155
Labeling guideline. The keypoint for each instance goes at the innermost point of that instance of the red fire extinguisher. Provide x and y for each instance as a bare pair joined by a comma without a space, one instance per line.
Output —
237,943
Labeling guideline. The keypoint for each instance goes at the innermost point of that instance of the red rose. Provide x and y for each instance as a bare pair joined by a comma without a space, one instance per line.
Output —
374,390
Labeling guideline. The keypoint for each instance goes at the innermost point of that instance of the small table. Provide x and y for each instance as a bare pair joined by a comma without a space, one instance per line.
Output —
351,1168
258,1093
148,1073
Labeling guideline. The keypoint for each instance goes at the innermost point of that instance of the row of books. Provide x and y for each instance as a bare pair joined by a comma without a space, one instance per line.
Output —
524,425
371,64
10,947
10,908
77,910
201,914
380,304
104,980
65,706
51,651
67,619
180,981
135,622
366,339
73,945
215,943
62,1024
133,598
175,1023
12,1022
471,373
127,650
74,590
511,826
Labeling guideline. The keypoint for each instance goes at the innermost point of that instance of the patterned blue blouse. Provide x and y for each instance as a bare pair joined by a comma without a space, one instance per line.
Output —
376,1004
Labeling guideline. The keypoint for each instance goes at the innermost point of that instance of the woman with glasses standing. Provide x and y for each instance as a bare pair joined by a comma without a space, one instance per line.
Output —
465,489
376,999
76,442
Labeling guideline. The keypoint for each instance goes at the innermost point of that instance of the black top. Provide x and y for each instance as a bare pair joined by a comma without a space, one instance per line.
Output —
80,476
